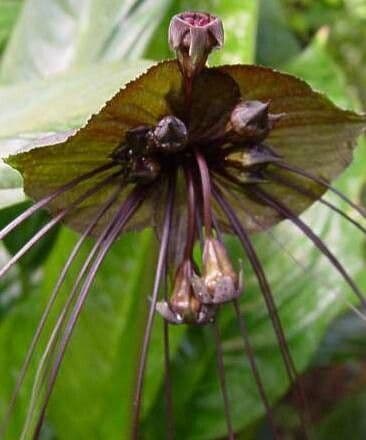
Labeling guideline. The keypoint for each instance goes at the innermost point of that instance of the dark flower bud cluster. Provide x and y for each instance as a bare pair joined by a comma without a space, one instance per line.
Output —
143,146
195,298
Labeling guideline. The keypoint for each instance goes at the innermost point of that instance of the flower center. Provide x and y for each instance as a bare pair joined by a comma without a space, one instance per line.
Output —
148,152
197,18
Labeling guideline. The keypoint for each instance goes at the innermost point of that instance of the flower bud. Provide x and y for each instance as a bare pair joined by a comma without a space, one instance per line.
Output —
193,36
136,138
169,136
219,282
251,121
144,169
250,157
133,145
183,307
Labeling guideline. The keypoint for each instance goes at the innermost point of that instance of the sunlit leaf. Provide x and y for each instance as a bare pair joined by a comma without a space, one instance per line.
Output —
54,36
14,241
95,347
9,10
11,184
59,104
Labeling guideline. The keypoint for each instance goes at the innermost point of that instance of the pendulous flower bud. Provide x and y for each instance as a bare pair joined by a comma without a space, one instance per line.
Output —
219,282
251,121
193,36
184,307
169,136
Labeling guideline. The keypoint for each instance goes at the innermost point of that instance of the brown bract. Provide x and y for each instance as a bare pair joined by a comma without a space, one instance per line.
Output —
312,134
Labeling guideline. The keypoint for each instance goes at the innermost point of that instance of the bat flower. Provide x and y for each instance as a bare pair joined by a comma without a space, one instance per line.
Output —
192,152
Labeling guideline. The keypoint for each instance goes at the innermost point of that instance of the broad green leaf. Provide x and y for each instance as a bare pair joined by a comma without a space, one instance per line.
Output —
107,344
115,311
58,104
54,36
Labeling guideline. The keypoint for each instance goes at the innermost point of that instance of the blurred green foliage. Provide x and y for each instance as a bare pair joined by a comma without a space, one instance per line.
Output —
60,60
9,10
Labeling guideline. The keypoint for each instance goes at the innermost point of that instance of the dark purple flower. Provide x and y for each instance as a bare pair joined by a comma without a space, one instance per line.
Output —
193,152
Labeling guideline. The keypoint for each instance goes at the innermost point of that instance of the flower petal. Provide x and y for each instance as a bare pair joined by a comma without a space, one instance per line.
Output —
313,134
143,101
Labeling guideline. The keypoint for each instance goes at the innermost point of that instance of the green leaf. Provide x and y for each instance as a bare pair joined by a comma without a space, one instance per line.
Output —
347,418
348,30
100,366
276,44
9,10
11,184
317,65
59,104
114,312
54,36
142,102
345,341
16,239
53,106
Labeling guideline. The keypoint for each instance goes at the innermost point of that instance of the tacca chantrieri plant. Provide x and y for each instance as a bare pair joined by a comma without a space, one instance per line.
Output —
193,152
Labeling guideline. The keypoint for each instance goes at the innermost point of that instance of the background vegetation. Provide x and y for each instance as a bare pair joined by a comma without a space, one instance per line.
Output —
60,60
